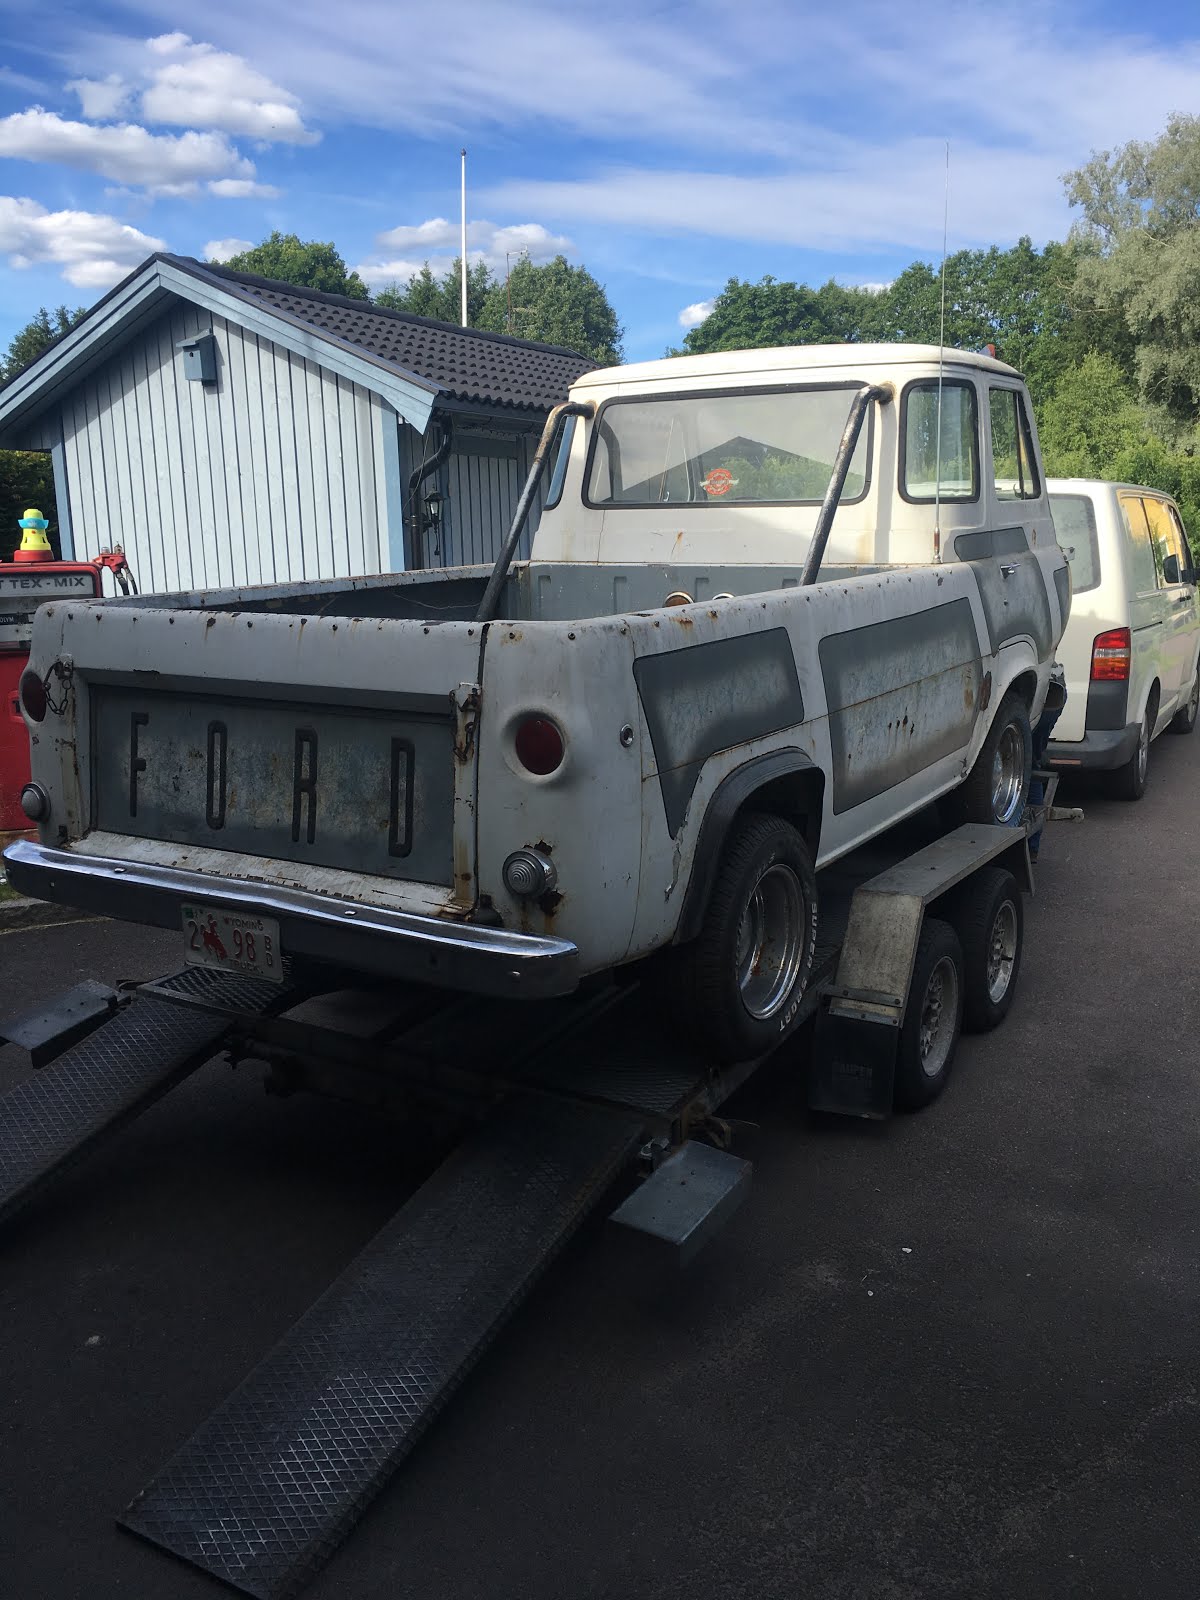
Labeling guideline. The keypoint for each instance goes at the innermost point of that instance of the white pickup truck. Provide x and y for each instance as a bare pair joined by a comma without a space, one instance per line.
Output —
777,601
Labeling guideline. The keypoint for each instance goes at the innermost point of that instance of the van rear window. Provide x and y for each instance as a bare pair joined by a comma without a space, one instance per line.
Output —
1075,528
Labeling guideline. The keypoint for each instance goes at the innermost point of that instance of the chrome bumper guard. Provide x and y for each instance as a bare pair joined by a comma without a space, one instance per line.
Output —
346,933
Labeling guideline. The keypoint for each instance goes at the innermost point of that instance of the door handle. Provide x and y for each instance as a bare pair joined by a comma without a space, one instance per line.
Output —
1008,568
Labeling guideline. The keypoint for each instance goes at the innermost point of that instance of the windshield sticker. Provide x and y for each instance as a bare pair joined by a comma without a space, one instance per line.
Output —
719,481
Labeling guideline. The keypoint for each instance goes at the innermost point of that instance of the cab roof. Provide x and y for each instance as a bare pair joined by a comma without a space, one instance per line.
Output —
789,358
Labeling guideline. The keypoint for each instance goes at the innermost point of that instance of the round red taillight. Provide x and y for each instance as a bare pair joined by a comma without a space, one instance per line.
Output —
539,745
33,696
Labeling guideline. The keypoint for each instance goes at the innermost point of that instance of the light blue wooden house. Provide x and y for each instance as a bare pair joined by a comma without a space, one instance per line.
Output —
226,429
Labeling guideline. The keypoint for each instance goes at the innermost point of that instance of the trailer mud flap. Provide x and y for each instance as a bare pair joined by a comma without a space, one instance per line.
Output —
266,1489
853,1065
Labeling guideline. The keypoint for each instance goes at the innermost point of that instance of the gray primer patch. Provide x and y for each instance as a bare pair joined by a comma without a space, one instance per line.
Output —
1017,606
901,695
712,697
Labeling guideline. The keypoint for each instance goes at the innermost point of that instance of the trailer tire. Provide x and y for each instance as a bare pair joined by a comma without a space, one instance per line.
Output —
737,986
997,787
989,917
932,1018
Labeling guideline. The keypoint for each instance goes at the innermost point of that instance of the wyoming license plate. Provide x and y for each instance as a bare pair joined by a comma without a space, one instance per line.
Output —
233,941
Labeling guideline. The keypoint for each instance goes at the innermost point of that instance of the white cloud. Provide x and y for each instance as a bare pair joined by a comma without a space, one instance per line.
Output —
437,242
692,316
242,189
93,251
199,86
101,99
168,163
855,198
222,249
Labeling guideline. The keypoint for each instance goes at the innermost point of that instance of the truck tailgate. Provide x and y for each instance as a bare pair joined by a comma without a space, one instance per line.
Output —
314,744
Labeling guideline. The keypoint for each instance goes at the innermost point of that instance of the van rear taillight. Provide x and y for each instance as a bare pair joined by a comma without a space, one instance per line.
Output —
1110,656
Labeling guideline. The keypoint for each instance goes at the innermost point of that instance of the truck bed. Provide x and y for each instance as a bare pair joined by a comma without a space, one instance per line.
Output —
536,591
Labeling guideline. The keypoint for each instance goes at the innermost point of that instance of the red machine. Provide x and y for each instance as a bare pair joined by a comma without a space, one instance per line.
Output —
29,580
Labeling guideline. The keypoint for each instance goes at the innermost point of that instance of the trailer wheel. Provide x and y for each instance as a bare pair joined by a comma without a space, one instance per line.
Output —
990,921
738,985
932,1018
997,786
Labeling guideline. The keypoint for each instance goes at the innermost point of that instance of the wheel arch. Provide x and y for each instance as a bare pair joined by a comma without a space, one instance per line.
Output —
786,783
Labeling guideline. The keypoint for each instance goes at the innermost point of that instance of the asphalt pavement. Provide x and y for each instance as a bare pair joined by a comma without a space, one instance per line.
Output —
954,1355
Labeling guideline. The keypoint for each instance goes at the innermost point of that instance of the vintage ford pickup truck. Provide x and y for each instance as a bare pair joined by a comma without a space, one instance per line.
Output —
777,601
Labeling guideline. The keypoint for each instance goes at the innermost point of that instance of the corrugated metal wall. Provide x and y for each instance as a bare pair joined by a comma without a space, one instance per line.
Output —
278,471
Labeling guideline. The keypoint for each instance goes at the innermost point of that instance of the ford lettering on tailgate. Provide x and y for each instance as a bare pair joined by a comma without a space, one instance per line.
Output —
369,791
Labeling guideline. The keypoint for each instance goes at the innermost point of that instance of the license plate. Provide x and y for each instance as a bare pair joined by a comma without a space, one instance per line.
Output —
233,941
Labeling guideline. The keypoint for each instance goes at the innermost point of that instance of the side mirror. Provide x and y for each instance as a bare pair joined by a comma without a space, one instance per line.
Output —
1171,569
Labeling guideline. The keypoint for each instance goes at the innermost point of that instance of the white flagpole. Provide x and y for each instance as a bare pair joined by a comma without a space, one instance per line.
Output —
463,245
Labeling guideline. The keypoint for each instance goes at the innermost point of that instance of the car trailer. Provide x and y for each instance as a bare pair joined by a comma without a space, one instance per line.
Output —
564,1103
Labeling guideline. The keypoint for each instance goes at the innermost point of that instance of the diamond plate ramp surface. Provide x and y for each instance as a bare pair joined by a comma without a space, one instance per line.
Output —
267,1488
55,1117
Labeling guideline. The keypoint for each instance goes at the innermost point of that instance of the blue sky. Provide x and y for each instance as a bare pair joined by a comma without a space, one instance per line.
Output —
665,146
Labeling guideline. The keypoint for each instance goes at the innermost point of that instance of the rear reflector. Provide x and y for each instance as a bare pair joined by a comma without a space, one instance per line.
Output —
1110,656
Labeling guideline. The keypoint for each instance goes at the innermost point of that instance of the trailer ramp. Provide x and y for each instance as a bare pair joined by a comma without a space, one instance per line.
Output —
266,1489
54,1118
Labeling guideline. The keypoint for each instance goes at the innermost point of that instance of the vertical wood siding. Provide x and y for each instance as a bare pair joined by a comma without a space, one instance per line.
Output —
480,484
276,472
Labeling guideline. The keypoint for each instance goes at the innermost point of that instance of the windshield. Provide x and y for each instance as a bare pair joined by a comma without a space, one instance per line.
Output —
772,447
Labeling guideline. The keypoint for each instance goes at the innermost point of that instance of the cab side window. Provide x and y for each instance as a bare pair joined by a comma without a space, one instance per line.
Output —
1143,565
1014,465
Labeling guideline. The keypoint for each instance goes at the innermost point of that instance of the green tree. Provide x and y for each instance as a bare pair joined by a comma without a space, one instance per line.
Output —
1021,300
306,263
26,479
37,334
770,313
1139,241
555,303
26,476
1092,417
427,295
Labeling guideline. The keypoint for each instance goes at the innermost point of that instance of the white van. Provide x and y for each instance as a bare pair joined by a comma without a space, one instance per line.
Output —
1131,648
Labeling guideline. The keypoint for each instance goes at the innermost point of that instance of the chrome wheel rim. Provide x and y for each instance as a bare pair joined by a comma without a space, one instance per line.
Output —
939,1008
1143,749
1008,775
1002,952
770,942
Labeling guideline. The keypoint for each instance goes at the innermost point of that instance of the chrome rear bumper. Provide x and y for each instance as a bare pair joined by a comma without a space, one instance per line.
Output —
346,933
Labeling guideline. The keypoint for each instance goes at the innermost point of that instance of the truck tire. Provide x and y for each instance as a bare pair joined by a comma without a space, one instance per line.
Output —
997,786
1129,782
989,917
1184,719
932,1018
737,986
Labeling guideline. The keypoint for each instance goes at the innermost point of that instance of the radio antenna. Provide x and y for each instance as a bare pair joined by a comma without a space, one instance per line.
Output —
937,487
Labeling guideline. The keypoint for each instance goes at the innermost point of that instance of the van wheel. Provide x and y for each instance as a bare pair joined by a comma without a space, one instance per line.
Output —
932,1018
1184,720
1129,781
997,787
738,984
990,921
